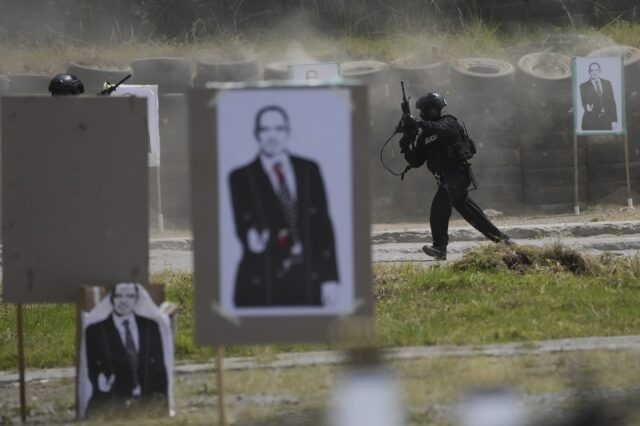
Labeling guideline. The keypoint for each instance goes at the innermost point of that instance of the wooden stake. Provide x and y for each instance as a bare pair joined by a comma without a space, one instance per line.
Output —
21,364
576,201
626,168
222,410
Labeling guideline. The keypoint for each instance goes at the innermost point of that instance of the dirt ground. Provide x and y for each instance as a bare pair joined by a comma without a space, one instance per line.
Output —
301,395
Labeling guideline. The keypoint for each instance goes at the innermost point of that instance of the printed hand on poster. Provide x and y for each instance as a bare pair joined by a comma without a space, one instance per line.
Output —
126,354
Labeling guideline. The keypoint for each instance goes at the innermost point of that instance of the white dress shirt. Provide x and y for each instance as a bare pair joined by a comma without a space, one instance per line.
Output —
287,170
133,327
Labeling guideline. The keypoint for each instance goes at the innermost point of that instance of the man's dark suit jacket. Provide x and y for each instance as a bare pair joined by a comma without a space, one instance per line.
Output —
260,278
596,119
106,354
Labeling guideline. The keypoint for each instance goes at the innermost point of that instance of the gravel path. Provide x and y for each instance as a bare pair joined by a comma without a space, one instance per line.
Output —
289,360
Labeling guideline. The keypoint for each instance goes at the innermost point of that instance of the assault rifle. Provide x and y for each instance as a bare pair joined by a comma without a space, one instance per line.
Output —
110,88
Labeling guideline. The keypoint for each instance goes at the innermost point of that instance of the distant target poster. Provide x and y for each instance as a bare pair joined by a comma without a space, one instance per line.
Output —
598,96
327,71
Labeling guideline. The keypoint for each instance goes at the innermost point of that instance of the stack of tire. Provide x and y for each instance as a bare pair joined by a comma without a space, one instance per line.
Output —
28,84
544,99
409,199
280,70
242,69
4,85
174,78
93,77
374,74
605,155
480,97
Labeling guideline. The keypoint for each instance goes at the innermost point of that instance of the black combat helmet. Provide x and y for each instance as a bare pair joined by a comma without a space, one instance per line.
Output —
65,84
430,105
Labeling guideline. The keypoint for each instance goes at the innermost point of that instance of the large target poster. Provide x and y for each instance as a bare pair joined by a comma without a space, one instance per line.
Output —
598,96
280,217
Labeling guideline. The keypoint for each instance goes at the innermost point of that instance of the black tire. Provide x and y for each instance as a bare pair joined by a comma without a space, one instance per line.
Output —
240,70
28,84
614,172
173,111
5,85
561,176
600,153
94,77
528,99
549,158
174,170
420,73
176,203
534,141
488,195
367,71
544,72
498,175
496,157
372,73
173,130
599,190
481,75
545,121
172,75
482,116
280,70
545,195
633,102
494,139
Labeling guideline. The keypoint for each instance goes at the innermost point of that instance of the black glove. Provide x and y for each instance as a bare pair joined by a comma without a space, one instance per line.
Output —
407,124
406,141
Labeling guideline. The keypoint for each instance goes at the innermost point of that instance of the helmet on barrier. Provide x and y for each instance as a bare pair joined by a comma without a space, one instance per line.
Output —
431,105
65,84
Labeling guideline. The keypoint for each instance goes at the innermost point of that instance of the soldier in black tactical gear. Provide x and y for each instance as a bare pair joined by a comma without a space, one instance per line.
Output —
442,142
65,84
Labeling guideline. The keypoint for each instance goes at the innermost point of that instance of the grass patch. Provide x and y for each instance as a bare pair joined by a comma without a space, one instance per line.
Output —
493,294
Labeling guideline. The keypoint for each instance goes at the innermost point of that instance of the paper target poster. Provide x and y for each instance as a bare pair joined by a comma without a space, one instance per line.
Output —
598,96
279,222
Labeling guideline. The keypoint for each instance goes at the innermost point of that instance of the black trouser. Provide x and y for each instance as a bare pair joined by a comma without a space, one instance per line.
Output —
452,192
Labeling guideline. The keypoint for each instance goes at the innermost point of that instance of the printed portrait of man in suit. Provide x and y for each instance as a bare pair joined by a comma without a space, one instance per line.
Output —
282,223
598,103
125,359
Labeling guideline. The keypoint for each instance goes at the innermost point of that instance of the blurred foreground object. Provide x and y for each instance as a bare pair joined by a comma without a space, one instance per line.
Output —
367,394
492,407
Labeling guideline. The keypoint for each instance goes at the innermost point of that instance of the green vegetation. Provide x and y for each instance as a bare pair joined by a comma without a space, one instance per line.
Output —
472,38
494,294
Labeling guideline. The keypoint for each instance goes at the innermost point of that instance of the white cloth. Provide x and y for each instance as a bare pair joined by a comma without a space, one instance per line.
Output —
287,171
133,327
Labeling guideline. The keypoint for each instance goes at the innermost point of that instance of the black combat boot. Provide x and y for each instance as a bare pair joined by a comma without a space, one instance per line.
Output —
438,253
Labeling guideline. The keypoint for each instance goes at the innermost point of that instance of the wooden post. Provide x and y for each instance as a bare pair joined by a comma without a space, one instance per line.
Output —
626,169
159,189
576,201
21,364
222,410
